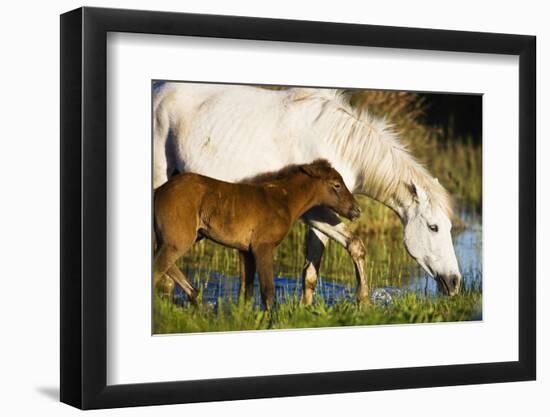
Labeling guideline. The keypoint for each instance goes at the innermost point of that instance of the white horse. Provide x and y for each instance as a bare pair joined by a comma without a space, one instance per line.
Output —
231,133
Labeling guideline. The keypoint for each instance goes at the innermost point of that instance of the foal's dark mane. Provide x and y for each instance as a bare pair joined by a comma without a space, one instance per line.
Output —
284,172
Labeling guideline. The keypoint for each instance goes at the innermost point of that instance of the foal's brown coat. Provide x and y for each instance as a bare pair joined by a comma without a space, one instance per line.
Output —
252,217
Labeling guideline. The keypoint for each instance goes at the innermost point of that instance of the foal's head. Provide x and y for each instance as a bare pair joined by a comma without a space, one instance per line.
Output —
331,190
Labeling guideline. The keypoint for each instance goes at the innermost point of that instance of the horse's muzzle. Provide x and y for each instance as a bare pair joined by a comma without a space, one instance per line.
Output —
450,284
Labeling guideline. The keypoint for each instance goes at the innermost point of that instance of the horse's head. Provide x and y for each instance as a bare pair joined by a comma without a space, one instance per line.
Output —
428,241
332,191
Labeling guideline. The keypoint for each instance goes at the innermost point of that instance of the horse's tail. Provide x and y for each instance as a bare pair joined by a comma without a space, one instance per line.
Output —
155,237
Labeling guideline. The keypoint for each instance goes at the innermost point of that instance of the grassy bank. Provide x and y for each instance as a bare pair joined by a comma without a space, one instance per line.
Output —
169,318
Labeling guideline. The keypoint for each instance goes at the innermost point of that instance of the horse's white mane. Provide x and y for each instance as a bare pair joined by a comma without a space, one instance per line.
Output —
388,169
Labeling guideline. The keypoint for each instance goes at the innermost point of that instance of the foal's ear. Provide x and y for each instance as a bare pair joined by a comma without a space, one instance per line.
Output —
317,169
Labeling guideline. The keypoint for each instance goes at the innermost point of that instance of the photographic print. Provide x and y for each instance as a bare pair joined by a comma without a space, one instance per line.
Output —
309,204
278,207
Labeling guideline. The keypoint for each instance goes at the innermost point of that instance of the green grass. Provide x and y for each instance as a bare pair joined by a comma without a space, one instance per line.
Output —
169,318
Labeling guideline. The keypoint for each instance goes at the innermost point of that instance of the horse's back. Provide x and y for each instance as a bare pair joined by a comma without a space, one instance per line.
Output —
231,132
191,96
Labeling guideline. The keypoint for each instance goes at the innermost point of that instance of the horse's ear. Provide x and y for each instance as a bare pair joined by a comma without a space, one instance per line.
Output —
318,169
419,193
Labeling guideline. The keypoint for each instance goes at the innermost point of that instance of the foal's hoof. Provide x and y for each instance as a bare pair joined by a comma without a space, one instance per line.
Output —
165,289
269,317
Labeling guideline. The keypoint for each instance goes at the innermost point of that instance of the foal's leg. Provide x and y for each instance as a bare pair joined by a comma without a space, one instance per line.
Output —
247,268
178,276
165,272
165,257
325,221
263,256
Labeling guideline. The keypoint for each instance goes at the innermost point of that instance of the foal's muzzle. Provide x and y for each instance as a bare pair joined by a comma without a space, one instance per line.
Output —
354,213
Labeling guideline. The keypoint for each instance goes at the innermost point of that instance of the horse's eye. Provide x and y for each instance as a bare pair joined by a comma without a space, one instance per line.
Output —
337,185
433,228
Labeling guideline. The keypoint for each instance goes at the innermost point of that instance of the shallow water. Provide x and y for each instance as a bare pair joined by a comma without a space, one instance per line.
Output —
467,243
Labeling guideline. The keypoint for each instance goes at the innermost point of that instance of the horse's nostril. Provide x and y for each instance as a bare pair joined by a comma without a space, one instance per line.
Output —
455,281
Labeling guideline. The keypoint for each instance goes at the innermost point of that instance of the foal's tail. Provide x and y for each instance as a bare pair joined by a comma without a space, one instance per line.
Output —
155,244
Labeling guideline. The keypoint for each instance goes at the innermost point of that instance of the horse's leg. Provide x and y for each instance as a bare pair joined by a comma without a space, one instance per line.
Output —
160,162
263,257
164,149
315,246
247,269
328,223
178,276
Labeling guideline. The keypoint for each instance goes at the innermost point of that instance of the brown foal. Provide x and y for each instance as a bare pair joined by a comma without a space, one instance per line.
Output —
252,217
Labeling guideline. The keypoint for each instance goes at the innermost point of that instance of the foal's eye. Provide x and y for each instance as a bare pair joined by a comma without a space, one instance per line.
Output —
337,185
433,228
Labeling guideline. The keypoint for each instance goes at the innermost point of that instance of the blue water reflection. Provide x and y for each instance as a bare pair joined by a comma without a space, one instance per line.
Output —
468,248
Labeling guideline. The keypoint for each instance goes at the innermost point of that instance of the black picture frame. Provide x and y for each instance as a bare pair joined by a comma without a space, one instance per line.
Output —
84,207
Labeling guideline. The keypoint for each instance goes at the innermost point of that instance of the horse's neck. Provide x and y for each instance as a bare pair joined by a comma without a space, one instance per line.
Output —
400,202
393,187
371,160
387,186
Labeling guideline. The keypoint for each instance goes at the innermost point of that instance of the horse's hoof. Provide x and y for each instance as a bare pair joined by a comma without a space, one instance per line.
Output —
363,301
